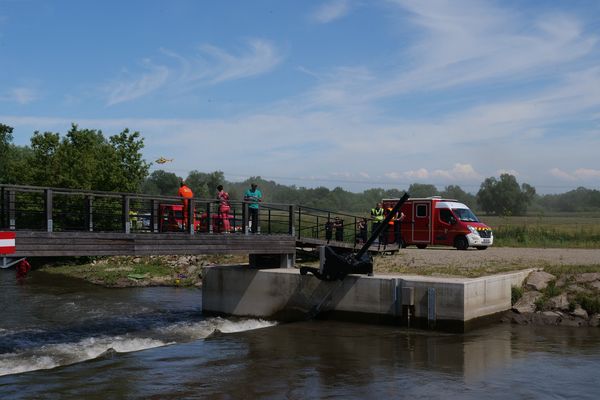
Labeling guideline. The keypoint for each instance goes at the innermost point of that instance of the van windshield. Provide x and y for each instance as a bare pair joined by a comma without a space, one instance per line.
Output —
464,214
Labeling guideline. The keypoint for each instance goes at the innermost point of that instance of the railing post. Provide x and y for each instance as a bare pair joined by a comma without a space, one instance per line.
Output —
12,212
269,222
48,209
291,220
244,218
125,215
209,224
299,220
153,213
89,213
192,217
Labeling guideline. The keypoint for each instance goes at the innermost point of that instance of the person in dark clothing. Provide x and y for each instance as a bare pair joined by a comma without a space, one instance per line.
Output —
338,224
362,231
328,230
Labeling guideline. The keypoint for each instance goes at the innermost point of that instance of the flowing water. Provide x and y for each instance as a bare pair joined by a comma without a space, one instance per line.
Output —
64,339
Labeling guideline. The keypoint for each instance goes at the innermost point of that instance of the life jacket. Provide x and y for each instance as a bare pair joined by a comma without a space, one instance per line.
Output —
377,214
185,192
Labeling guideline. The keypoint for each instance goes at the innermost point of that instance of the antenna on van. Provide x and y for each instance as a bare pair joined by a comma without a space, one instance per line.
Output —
336,266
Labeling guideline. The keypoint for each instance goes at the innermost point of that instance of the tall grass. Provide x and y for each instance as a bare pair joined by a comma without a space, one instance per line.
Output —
575,231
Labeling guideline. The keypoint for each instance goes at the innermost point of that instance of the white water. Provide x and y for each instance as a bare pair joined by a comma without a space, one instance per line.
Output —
49,356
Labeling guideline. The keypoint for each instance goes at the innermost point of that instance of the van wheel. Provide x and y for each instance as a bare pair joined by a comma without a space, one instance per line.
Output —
481,247
421,246
461,243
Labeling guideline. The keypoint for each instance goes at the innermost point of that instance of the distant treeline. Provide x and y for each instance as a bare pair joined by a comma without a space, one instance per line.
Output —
86,159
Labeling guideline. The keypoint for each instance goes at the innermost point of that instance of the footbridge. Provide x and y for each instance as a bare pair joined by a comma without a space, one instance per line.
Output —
59,222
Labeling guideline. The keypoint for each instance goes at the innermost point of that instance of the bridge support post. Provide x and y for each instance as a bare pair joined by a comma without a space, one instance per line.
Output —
125,217
48,209
285,260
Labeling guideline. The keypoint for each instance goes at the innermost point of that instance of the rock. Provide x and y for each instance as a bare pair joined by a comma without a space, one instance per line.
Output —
576,289
595,285
572,321
587,277
580,312
594,320
538,280
527,302
547,318
560,302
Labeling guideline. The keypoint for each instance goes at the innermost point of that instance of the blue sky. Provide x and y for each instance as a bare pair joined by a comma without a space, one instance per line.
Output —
350,93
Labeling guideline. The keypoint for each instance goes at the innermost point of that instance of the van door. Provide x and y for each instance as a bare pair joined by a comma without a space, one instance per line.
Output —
421,232
444,226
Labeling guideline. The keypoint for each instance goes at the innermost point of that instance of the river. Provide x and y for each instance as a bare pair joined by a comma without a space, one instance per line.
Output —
65,339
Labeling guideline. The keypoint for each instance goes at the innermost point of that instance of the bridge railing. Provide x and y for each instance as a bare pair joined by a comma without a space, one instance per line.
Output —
61,210
315,223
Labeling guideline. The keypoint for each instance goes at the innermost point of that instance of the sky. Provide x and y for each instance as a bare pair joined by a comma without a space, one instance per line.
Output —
338,93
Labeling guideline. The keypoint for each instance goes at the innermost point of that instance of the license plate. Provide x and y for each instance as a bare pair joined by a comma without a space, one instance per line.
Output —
487,241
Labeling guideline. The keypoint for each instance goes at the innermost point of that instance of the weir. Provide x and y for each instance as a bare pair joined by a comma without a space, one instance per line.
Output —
453,304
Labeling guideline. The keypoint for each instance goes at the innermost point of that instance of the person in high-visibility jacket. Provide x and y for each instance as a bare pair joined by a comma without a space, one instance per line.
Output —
186,193
377,216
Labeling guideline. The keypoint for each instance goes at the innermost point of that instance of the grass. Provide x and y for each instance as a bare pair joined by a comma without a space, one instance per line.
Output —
558,231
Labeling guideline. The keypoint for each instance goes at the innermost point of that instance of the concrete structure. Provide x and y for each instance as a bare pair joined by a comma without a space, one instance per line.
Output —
446,303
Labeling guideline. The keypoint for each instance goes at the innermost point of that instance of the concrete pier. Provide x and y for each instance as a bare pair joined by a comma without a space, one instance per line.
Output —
456,304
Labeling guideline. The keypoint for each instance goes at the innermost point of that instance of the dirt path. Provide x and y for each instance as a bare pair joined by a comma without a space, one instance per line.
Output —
494,259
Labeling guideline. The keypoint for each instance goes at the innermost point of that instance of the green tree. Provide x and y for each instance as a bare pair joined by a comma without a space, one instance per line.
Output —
456,192
6,138
204,185
161,183
505,196
422,190
130,169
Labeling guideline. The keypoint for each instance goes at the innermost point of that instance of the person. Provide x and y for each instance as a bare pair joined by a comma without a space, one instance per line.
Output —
338,224
23,268
377,215
224,207
328,230
186,193
397,235
361,238
253,196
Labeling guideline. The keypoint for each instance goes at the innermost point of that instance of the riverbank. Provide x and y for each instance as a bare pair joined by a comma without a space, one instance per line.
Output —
564,291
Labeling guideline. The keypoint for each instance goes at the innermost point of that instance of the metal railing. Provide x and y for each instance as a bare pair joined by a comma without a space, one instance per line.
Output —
63,210
329,226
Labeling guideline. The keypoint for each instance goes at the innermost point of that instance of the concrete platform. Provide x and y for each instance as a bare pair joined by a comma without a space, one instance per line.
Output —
455,304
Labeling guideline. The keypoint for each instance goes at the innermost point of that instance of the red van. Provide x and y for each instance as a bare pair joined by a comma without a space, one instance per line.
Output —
438,221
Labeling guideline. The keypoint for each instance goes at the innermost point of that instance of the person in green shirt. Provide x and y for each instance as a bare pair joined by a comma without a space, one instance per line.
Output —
253,196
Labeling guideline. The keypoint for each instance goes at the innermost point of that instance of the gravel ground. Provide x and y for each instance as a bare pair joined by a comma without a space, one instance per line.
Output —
441,261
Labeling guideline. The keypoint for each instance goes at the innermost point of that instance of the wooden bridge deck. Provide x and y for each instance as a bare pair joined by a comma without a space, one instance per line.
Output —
51,244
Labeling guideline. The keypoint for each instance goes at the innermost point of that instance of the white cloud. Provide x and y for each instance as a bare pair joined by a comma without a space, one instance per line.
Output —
331,11
20,95
460,172
580,174
125,90
214,66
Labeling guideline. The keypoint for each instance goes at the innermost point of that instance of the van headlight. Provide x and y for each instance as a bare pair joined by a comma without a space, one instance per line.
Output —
473,230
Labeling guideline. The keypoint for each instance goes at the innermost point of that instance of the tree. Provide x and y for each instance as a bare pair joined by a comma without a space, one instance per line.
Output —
455,192
5,143
422,190
161,183
504,196
130,168
205,185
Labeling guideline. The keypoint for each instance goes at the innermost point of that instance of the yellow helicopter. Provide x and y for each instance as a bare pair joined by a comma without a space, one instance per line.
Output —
163,160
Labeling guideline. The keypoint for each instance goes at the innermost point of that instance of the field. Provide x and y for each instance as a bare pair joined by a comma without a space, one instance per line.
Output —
569,230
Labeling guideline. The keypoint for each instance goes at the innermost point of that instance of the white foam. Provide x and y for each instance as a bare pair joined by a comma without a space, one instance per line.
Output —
54,355
51,356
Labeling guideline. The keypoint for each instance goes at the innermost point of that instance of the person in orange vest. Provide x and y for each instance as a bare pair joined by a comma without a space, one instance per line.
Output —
186,193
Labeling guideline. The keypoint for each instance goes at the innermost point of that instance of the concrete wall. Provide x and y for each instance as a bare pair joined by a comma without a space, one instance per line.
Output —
284,293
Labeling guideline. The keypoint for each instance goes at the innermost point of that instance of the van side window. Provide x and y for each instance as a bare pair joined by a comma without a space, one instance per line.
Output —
446,215
421,210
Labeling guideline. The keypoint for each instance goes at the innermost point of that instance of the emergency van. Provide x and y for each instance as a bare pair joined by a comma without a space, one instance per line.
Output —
438,221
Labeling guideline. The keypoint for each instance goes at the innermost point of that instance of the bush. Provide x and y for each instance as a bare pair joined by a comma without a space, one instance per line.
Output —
516,292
